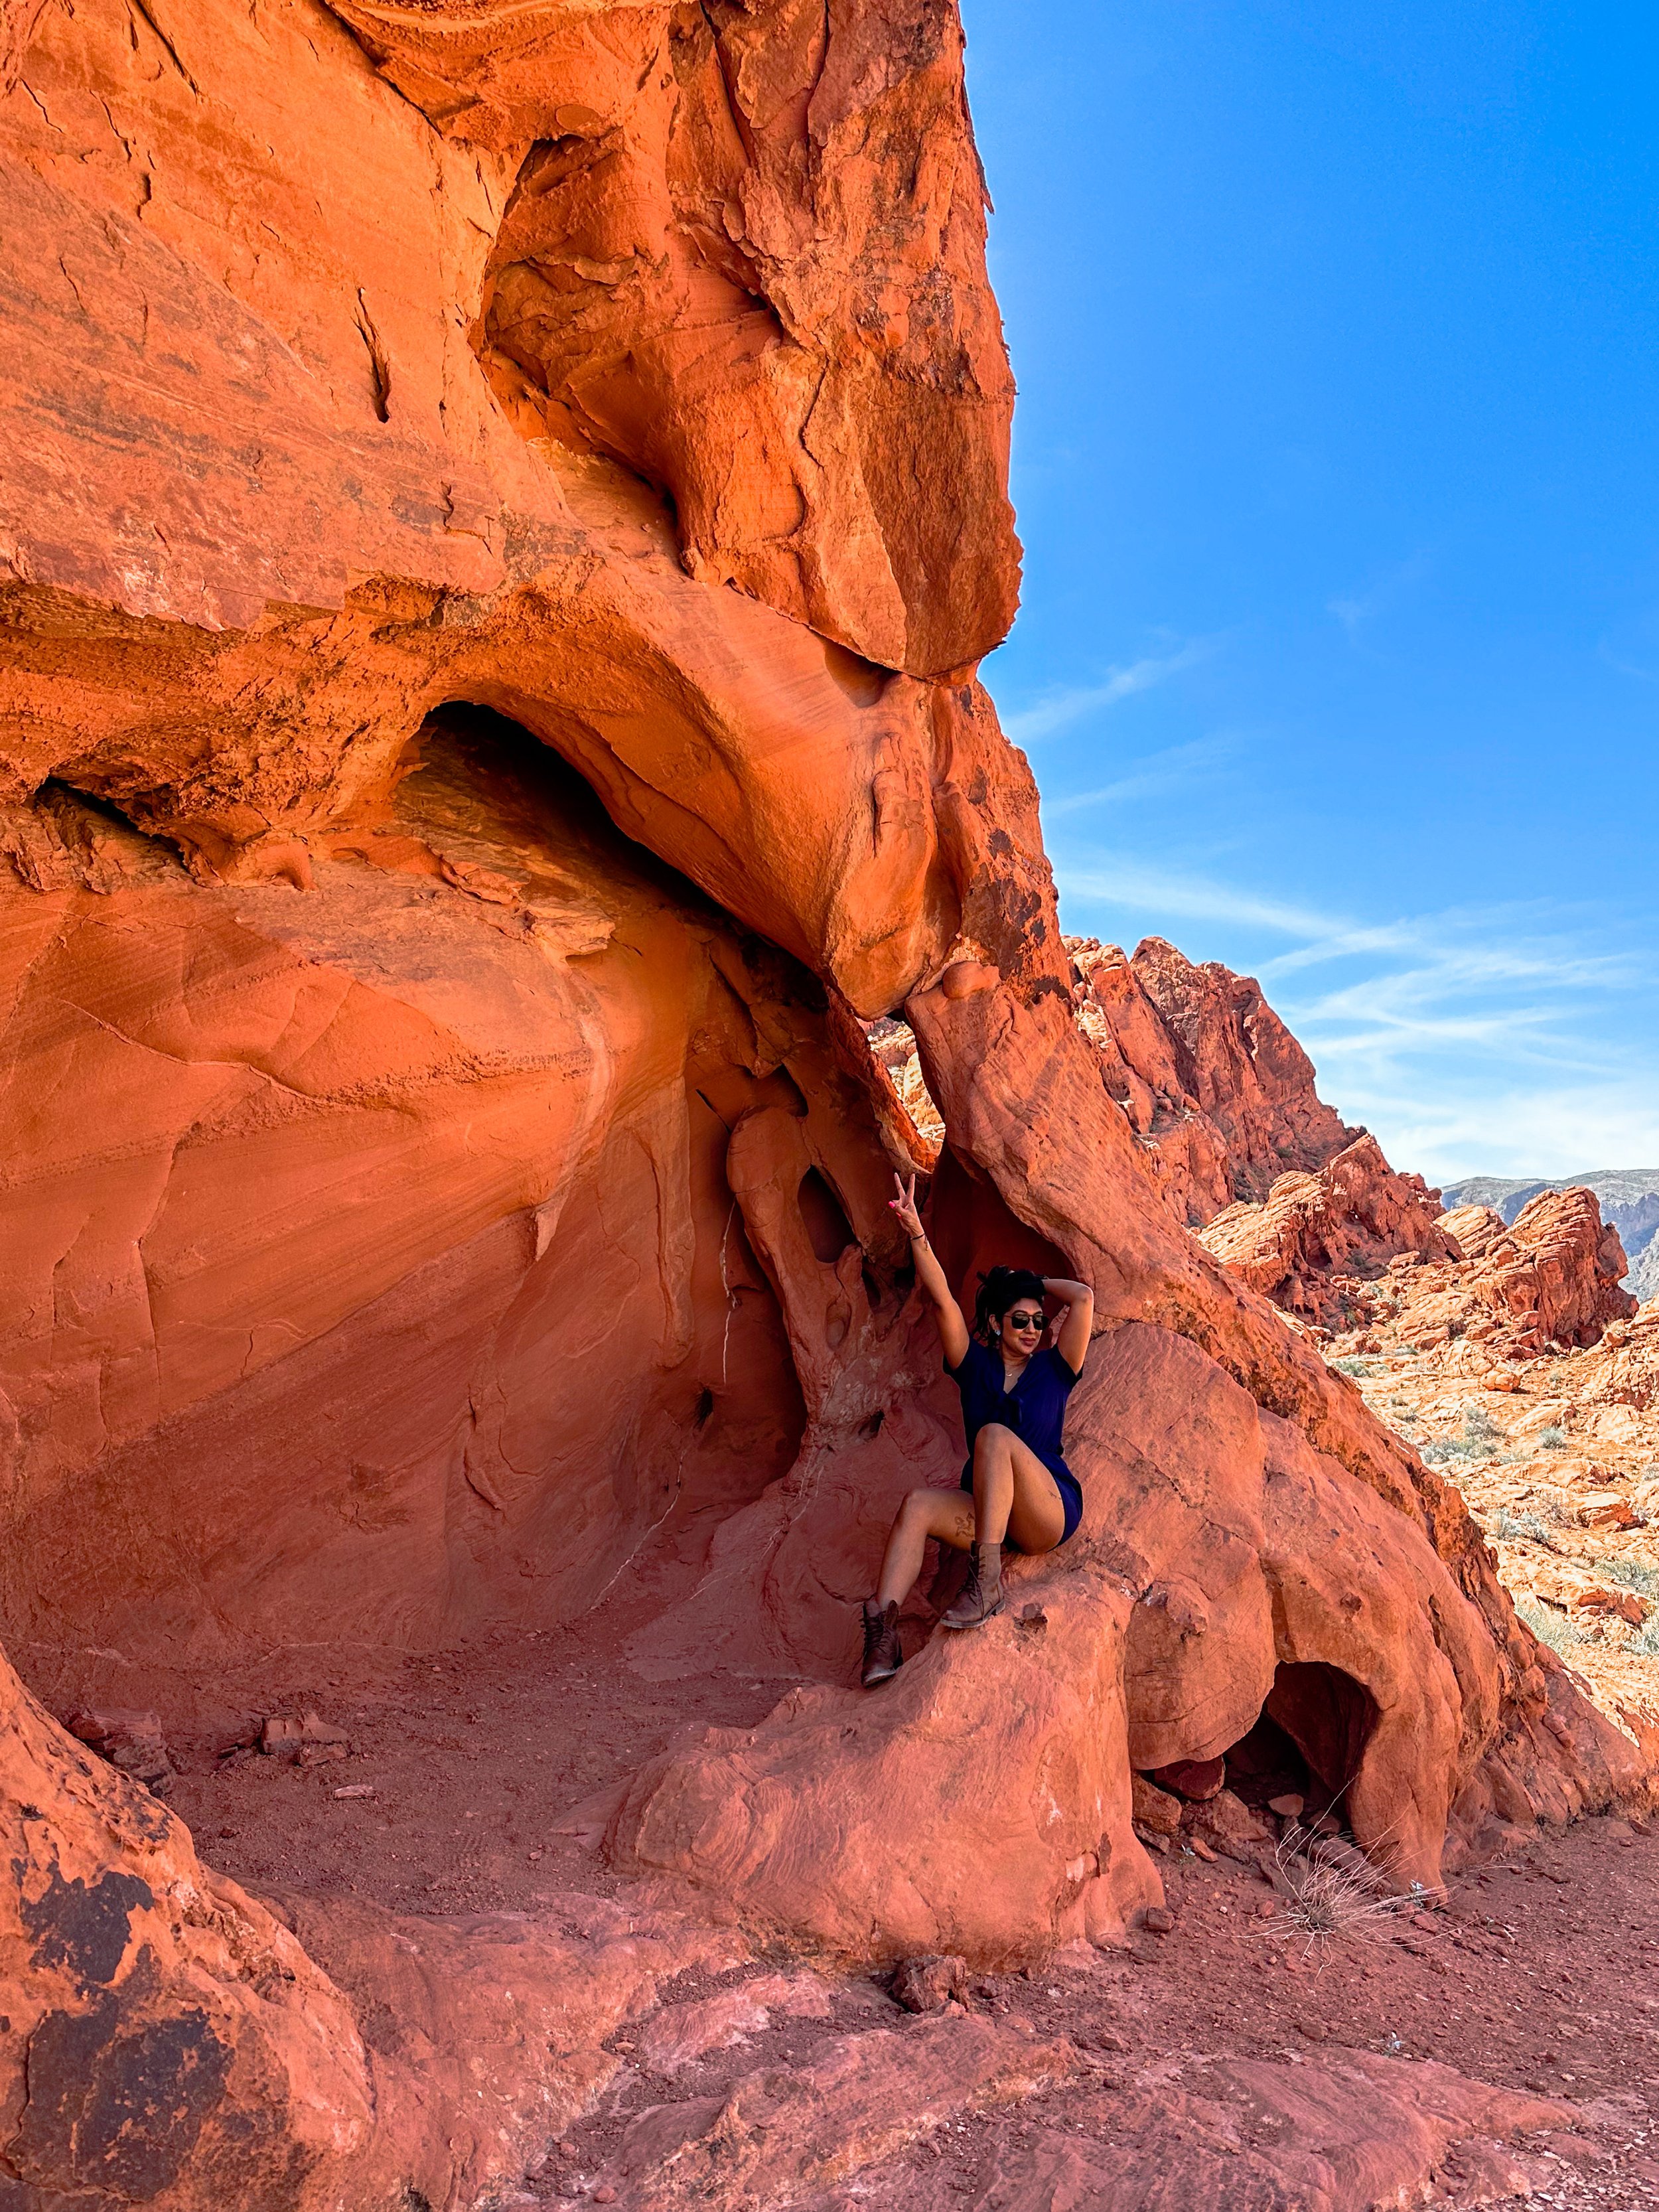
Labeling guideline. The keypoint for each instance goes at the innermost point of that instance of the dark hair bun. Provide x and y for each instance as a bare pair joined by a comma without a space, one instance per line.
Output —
1002,1288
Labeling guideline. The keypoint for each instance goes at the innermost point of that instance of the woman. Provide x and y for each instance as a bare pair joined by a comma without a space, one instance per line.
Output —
1014,1390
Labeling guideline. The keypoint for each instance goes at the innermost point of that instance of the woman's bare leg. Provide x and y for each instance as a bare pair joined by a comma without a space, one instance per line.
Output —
1015,1497
946,1514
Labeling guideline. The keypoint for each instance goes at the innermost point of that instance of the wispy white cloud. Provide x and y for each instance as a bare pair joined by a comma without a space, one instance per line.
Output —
1353,610
1120,881
1059,709
1561,1129
1472,1040
1159,772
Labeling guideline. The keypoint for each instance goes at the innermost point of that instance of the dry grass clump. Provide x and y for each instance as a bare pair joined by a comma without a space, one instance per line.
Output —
1327,1888
1550,1625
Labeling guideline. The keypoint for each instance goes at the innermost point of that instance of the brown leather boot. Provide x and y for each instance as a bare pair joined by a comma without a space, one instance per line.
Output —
981,1593
882,1656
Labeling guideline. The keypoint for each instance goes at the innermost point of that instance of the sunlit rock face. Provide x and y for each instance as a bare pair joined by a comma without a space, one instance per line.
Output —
1219,1091
500,510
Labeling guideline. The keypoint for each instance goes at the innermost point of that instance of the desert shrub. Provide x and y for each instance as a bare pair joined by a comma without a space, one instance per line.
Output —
1356,1369
1508,1526
1550,1626
1442,1448
1479,1426
1553,1438
1327,1889
1629,1574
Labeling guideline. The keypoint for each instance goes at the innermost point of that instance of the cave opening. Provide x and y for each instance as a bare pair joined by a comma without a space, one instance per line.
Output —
728,1418
462,1349
1308,1742
474,1385
828,1229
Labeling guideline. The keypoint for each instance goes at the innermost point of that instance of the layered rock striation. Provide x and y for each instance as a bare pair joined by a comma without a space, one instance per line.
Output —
1628,1197
1359,1247
500,510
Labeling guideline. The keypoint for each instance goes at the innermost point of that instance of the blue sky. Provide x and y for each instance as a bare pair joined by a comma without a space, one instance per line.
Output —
1337,466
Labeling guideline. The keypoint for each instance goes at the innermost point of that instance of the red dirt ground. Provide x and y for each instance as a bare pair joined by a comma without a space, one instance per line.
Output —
1541,1972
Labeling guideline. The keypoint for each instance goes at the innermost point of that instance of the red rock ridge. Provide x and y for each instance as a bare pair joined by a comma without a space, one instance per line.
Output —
1211,1080
1550,1280
1318,1238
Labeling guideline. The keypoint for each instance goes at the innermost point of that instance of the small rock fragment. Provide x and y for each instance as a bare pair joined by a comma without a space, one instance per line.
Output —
1620,1604
1152,1807
1289,1807
931,1982
1156,1921
307,1741
130,1740
1196,1779
1228,1825
1606,1508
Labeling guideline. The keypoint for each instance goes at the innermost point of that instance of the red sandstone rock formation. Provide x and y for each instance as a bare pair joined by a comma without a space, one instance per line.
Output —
1210,1078
1318,1237
1552,1278
1218,1092
1556,1277
438,1143
1320,1242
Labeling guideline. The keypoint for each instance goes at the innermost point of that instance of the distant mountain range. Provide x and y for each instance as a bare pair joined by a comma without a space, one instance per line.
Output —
1630,1201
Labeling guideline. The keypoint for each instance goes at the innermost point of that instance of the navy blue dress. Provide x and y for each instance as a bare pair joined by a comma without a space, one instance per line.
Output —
1035,1409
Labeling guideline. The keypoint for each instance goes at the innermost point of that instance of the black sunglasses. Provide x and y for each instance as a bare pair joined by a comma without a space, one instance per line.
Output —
1027,1321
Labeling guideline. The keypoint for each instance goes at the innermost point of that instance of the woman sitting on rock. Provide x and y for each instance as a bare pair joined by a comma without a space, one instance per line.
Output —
1014,1389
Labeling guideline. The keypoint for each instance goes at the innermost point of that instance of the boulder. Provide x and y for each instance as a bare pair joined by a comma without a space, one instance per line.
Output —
928,1983
1195,1779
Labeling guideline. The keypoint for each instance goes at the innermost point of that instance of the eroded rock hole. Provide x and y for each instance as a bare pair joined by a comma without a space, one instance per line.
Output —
893,1044
825,1217
1309,1741
494,1315
1266,1764
1329,1717
465,1343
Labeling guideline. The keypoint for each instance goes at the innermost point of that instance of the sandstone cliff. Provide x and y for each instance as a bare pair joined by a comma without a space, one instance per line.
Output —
1212,1082
500,512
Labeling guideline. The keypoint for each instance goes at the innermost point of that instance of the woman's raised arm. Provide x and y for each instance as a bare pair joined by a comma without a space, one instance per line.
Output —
952,1329
1071,1337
